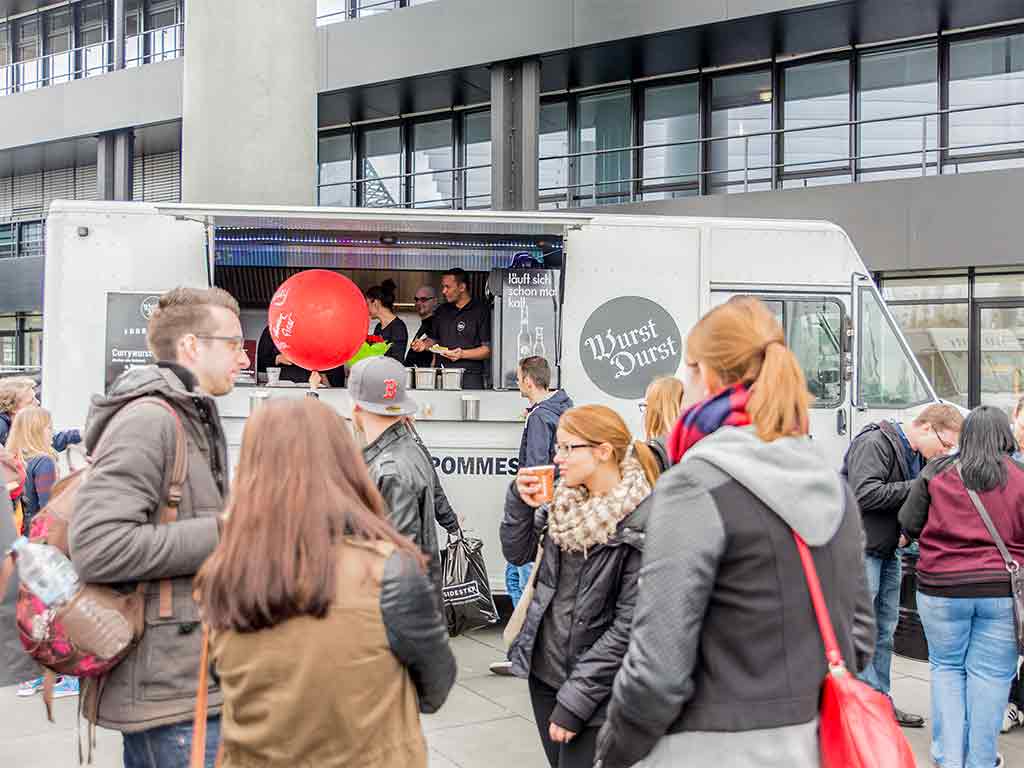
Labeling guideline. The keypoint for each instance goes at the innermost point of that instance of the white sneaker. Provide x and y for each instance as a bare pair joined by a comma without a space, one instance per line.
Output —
1012,718
1000,763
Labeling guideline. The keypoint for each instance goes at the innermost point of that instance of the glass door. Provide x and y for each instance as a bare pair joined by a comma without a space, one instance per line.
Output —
997,353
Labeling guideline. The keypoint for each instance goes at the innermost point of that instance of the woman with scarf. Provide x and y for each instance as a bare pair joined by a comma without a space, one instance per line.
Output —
592,533
725,661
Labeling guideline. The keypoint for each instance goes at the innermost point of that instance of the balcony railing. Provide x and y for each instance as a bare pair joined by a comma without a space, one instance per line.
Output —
742,170
356,9
373,191
90,60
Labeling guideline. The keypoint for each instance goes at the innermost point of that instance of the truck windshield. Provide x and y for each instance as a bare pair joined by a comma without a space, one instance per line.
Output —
887,376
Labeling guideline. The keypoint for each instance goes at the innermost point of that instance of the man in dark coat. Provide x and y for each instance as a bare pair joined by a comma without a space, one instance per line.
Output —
880,465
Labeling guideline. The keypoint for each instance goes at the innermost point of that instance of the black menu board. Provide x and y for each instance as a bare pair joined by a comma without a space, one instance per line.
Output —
127,318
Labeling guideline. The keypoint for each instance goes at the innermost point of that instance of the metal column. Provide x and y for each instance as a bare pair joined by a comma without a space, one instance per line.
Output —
515,107
114,161
119,41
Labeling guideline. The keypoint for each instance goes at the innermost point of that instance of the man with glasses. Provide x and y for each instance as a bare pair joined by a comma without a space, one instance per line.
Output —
880,465
119,536
426,302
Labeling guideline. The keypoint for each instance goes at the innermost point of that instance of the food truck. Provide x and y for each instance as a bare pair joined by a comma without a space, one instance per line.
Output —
607,299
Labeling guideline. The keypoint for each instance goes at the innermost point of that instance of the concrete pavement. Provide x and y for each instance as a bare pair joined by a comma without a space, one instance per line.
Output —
486,723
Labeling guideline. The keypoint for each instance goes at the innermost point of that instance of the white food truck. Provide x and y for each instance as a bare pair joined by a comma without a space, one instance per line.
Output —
608,299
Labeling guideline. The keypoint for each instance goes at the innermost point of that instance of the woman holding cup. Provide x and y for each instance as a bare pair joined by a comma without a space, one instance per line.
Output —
591,528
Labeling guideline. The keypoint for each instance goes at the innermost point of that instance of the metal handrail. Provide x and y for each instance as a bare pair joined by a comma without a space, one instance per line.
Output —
78,67
409,174
353,13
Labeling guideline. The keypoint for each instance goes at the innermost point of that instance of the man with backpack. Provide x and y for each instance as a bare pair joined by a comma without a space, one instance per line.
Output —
880,465
118,534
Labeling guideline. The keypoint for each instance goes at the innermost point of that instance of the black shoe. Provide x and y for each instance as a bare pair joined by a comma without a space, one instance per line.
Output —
907,720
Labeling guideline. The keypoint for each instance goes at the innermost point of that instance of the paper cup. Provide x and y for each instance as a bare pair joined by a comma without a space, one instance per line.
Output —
273,376
546,474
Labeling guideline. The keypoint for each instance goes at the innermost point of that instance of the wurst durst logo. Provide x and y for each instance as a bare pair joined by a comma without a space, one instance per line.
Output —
148,306
628,342
460,326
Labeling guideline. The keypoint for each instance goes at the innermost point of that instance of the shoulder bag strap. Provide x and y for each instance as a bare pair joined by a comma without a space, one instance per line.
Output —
198,756
1011,565
828,634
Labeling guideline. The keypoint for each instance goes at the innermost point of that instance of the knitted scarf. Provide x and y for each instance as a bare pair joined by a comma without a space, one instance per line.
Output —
578,522
726,409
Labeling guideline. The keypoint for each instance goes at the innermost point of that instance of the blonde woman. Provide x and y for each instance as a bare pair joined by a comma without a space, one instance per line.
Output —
17,393
662,405
31,441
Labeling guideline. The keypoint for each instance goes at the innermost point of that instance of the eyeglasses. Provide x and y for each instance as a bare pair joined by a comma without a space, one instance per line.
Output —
943,443
234,343
422,299
642,407
566,449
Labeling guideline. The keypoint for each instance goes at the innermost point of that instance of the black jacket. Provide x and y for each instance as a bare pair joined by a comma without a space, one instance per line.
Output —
406,479
876,468
443,512
602,609
537,446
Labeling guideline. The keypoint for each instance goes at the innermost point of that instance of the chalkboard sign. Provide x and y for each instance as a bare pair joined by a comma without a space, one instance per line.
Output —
127,317
529,320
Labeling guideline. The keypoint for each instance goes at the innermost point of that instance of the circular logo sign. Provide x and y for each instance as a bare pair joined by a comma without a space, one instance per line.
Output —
148,306
627,343
460,326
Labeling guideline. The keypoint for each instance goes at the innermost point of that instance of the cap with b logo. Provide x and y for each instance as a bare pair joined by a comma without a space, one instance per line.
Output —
377,385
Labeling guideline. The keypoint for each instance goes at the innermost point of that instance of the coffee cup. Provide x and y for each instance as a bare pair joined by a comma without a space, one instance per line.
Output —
546,474
273,376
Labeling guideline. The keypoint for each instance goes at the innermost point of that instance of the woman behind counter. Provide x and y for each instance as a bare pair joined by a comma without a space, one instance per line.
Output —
381,302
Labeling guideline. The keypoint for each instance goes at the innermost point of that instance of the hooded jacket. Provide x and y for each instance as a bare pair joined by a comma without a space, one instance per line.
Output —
537,446
876,468
724,636
116,538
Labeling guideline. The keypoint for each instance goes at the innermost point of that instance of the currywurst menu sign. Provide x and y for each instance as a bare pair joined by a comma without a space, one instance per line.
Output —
127,317
627,343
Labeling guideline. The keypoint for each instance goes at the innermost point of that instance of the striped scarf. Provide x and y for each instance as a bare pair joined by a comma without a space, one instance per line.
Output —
726,409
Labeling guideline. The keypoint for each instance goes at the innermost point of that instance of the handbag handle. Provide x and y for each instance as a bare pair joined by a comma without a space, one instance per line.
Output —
833,655
198,757
1011,565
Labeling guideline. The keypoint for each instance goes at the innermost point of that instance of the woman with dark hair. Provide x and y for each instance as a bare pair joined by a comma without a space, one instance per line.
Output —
381,302
963,588
311,583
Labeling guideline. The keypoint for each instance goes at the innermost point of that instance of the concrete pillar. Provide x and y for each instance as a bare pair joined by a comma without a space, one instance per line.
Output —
118,34
114,164
515,109
250,102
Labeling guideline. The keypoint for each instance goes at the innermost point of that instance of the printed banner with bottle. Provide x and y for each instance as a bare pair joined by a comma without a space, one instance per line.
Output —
529,321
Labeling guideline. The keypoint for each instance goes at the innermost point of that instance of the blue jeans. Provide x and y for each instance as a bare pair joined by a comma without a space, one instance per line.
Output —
884,584
169,746
516,577
972,650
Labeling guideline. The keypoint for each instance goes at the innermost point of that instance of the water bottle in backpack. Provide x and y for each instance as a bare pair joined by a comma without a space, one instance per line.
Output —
46,572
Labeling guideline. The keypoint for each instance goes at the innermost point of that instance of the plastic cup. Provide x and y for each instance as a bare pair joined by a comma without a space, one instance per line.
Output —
273,376
546,474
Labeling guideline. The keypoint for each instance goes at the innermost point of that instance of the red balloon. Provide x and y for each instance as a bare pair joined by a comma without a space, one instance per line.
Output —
318,319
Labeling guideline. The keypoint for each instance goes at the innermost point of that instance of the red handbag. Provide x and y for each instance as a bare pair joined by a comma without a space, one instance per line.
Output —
856,728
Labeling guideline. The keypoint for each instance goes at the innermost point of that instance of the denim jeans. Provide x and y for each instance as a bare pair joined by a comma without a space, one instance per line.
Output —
972,650
516,577
884,584
169,746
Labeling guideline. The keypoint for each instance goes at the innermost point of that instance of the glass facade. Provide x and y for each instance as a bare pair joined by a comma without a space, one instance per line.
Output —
428,163
816,94
671,114
553,174
21,343
741,105
603,123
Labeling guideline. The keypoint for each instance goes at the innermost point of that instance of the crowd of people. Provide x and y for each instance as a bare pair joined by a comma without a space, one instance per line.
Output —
664,614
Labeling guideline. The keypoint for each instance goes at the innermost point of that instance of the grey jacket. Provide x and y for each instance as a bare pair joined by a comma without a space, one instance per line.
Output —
115,537
724,636
405,477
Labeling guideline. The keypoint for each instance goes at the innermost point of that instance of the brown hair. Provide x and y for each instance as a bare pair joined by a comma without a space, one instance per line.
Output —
941,416
537,369
742,341
31,434
11,389
301,485
664,404
599,424
182,311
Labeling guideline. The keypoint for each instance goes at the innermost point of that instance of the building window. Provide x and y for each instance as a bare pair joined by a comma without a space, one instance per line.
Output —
816,94
553,142
335,159
163,29
6,62
982,72
476,137
30,239
382,168
21,343
93,37
433,181
671,114
59,55
741,105
28,52
895,83
603,123
8,241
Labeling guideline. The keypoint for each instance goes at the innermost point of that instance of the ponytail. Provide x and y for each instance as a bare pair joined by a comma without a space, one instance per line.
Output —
743,343
647,459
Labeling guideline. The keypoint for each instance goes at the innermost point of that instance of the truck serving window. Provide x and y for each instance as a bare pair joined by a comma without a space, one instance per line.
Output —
887,377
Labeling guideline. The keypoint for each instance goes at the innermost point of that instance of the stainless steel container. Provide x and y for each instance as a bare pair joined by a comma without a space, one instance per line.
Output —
451,378
410,378
426,378
470,408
